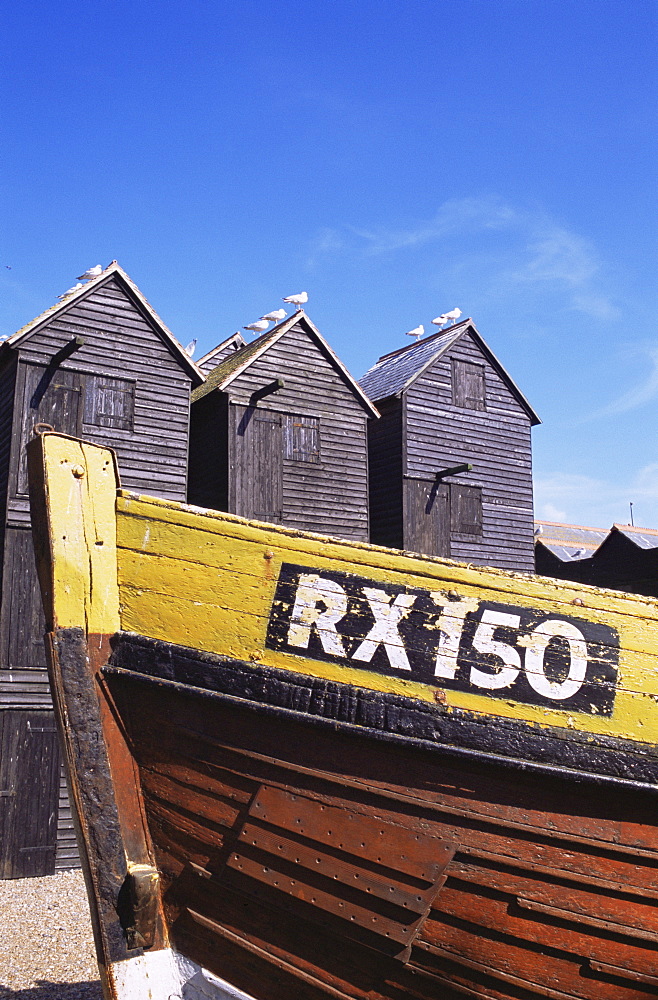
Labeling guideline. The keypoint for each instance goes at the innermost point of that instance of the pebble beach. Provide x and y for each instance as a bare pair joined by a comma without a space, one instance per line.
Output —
46,944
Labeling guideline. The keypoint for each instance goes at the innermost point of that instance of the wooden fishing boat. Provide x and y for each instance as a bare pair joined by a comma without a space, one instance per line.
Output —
315,769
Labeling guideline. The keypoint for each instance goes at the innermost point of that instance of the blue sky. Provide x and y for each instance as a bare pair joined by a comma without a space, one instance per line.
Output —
394,159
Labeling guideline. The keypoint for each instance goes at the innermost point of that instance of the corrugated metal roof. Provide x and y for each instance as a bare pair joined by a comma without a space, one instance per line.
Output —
565,540
394,371
645,538
569,542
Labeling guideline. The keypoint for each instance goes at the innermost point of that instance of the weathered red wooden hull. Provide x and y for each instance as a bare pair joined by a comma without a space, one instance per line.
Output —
551,891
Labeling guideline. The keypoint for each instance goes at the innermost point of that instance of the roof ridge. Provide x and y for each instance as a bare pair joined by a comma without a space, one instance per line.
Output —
115,270
564,524
634,527
422,340
222,343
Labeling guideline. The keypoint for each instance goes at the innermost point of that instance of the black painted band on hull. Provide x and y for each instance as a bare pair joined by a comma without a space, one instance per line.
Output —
454,732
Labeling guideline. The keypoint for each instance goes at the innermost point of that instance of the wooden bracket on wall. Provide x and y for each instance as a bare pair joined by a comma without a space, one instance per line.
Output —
267,390
74,344
455,470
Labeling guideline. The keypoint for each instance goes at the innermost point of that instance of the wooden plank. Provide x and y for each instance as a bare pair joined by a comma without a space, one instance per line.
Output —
521,820
165,610
73,488
82,478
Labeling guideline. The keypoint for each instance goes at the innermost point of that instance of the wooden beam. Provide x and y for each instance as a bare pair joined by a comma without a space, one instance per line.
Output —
267,390
73,485
454,470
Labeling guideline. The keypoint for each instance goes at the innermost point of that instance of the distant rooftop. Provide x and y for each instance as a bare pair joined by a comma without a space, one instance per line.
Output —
645,538
571,542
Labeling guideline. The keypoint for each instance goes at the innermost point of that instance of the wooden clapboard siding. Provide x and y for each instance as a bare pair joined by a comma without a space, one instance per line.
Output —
121,342
68,854
7,387
495,440
551,892
329,495
123,348
23,626
456,407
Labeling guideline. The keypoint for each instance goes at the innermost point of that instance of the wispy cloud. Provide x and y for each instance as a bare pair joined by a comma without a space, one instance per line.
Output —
644,392
579,499
508,248
456,215
327,243
554,254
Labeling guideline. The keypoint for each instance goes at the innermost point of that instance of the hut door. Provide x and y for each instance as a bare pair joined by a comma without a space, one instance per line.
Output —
24,622
427,517
52,396
29,786
258,464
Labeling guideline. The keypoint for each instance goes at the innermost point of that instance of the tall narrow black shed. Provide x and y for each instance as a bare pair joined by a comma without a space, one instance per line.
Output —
99,364
450,459
278,433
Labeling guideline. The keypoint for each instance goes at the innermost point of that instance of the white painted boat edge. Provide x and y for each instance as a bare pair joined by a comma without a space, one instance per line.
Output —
167,975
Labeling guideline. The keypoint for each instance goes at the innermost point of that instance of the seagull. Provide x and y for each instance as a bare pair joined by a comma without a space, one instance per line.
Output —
453,315
275,316
578,553
92,272
296,300
417,332
539,530
448,317
70,291
189,350
258,327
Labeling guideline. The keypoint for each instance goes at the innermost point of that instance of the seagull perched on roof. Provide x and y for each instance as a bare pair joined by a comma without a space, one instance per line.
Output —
69,291
448,317
92,272
189,350
417,332
296,300
275,315
258,327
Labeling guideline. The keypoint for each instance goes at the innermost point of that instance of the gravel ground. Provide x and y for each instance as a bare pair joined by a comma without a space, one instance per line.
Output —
46,944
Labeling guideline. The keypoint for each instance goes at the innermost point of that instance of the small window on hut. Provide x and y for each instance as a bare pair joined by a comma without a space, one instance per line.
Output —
109,402
468,385
465,510
301,438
